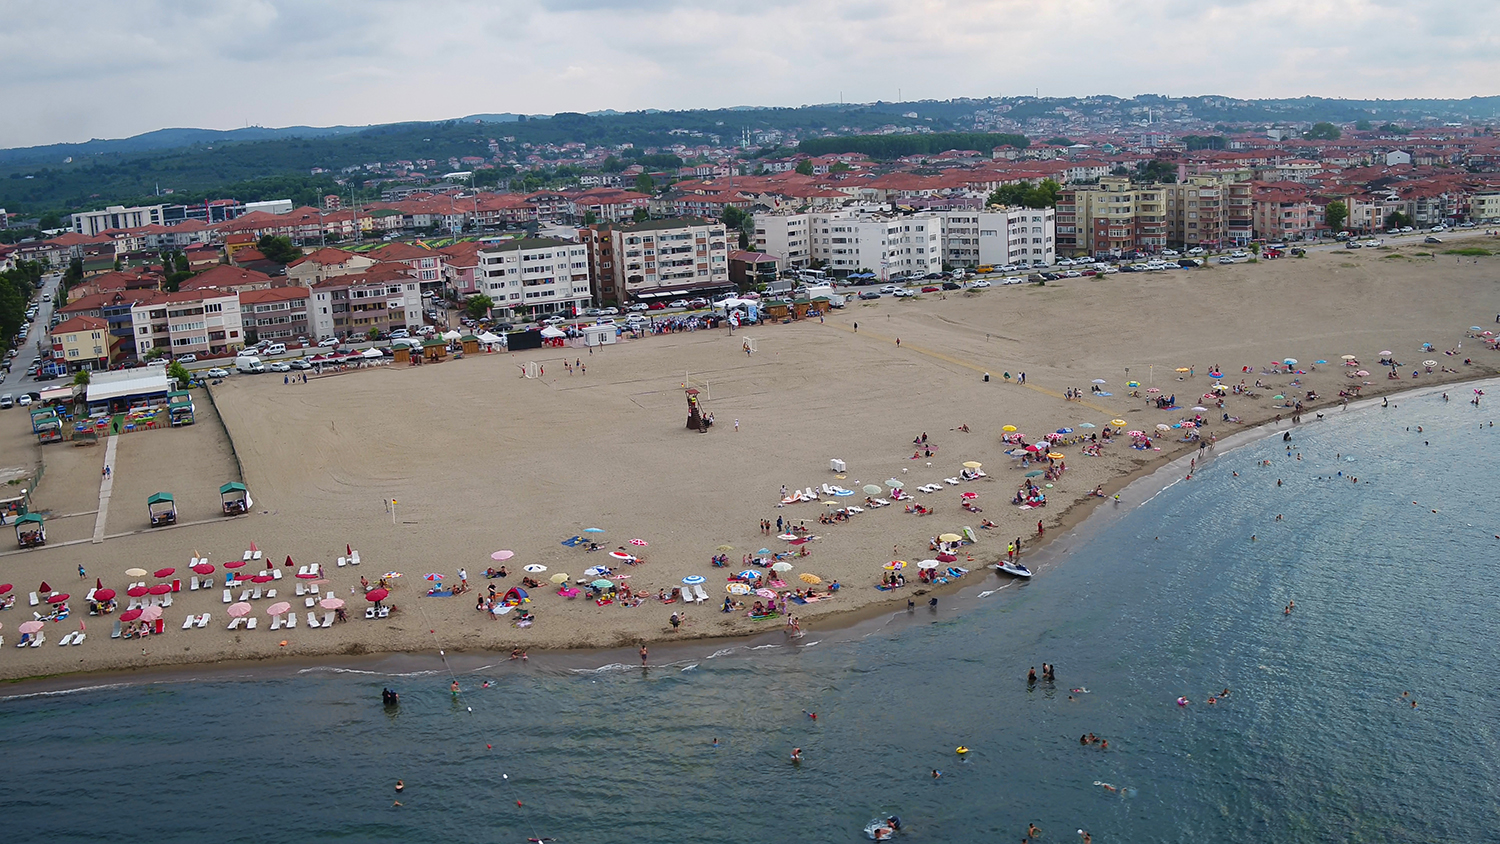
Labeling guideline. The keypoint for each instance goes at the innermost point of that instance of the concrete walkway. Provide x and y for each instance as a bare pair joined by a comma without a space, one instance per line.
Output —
106,488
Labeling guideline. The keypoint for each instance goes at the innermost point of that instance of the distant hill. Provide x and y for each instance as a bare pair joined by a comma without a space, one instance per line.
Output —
164,139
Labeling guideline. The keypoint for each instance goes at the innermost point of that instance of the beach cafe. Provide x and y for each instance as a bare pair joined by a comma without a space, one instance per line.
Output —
234,497
30,531
117,392
162,509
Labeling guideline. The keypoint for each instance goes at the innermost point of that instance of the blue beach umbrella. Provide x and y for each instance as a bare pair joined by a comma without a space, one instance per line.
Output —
693,579
1320,361
593,530
601,583
764,551
1065,430
1087,425
749,574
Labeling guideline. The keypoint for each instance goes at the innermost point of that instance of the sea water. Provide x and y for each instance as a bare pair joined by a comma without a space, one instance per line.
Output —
1394,580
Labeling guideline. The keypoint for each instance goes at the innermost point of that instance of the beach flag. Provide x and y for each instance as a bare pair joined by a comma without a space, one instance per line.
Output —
348,550
253,548
289,562
80,625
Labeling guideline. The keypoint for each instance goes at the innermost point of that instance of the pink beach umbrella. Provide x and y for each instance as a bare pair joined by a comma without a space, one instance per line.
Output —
150,613
502,556
331,603
239,610
30,626
278,608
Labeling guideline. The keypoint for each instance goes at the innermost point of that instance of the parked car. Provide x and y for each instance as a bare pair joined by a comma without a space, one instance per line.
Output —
279,366
869,294
24,400
609,312
980,284
554,320
329,342
931,288
217,372
637,307
695,304
952,285
591,312
187,358
1170,253
678,303
299,363
656,306
891,288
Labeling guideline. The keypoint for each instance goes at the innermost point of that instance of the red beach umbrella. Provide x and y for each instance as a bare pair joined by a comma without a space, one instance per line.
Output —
44,587
136,591
307,576
262,578
5,587
130,615
104,594
204,568
160,589
166,572
377,595
58,598
234,564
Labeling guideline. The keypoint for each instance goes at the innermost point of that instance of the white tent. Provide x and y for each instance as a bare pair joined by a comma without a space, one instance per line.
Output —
371,353
552,332
489,339
451,335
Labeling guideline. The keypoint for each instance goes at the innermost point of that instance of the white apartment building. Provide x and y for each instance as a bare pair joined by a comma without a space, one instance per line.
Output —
534,277
91,223
382,298
785,236
1000,236
848,241
670,258
196,321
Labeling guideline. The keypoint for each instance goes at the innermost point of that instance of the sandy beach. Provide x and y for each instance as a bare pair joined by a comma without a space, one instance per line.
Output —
480,459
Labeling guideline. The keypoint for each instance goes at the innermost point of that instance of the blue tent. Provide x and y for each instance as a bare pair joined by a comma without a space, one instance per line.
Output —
516,593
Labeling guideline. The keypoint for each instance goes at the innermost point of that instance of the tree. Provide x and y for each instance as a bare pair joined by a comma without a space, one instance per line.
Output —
1335,213
805,167
478,306
1060,141
1322,132
1027,196
179,373
1362,125
81,378
739,220
1156,171
590,218
839,167
1396,220
640,215
644,183
278,248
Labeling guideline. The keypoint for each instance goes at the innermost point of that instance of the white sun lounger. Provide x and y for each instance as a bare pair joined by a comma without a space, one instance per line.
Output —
312,619
193,584
275,622
291,619
354,559
328,618
255,596
250,622
40,638
34,599
202,621
276,573
851,508
66,640
208,583
228,597
166,600
234,623
369,612
245,595
698,591
79,637
301,590
115,634
271,593
343,561
310,601
255,555
302,570
247,556
189,621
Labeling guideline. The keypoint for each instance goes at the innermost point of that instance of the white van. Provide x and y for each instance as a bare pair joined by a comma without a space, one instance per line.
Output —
275,349
249,364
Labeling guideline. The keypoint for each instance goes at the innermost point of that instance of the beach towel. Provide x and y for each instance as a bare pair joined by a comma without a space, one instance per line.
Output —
573,542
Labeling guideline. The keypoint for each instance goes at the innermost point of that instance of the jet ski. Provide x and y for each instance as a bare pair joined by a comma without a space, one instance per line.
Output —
1013,569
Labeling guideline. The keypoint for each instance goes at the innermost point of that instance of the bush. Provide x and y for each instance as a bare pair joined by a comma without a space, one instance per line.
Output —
1469,252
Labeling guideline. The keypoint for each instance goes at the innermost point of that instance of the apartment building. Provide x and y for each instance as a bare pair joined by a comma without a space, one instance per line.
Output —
426,265
599,245
188,321
1000,236
91,223
276,313
326,263
534,277
1112,218
382,299
669,258
786,236
1484,207
1197,212
81,342
1282,213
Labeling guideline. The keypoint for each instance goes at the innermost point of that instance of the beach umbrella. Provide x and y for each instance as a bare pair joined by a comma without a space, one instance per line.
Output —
1118,423
1132,383
1034,474
872,489
927,564
1161,427
161,589
502,556
969,496
766,593
331,603
737,589
63,596
1065,430
5,587
34,626
1320,361
595,571
895,565
1429,363
1190,424
620,555
1182,369
434,576
377,595
693,579
781,567
535,568
104,594
810,578
204,568
150,613
135,572
1135,433
1384,352
639,543
1200,409
950,537
593,530
278,608
136,591
894,484
1010,429
1087,425
1475,328
559,578
950,558
392,575
1033,449
1278,397
1348,357
1289,361
787,536
128,615
1053,437
307,575
1100,381
262,578
166,572
749,574
1362,373
972,464
1054,455
601,583
765,551
232,564
1153,389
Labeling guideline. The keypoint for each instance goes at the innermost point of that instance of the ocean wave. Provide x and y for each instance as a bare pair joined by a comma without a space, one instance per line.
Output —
58,692
333,669
690,666
613,666
762,647
810,644
722,652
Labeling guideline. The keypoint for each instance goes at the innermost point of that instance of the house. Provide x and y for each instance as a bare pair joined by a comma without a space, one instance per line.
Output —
325,263
225,277
81,342
276,313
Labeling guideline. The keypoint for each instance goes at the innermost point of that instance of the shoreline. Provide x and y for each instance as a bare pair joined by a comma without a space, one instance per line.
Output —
1077,522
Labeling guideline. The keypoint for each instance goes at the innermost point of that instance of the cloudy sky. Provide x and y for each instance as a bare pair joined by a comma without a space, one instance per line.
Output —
76,70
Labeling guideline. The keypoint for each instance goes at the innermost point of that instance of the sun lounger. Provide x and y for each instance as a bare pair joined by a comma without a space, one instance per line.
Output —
247,556
189,621
301,570
255,596
25,640
79,637
310,601
271,594
166,600
234,623
250,622
115,634
312,619
228,597
369,612
291,619
255,555
276,573
275,622
951,481
698,591
193,584
343,561
245,595
313,589
385,612
40,638
301,590
34,599
66,640
208,583
328,619
851,508
354,559
202,621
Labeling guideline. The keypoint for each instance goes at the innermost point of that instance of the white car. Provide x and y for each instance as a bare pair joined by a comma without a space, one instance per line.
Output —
892,289
23,400
328,342
638,307
1170,253
980,284
678,303
279,366
1196,250
554,320
1072,274
187,358
1012,279
217,372
610,312
1065,262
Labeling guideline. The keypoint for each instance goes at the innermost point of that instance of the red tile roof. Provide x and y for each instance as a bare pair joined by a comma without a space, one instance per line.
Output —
79,323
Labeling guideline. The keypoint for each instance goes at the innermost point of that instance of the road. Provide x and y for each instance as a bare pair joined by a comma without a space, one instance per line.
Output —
17,381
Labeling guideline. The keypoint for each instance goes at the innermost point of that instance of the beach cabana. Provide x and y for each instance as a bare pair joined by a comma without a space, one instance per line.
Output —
434,350
401,354
162,509
470,344
777,309
234,497
30,531
180,408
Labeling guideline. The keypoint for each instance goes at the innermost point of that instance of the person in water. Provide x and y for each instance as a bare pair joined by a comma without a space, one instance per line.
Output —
796,754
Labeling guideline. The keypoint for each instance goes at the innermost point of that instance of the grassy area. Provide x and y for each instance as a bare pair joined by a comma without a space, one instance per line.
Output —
1469,252
1395,255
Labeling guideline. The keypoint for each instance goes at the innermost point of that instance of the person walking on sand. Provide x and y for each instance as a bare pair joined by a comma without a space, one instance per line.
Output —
736,426
1039,528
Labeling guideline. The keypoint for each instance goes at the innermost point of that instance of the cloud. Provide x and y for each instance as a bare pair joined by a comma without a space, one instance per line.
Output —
135,65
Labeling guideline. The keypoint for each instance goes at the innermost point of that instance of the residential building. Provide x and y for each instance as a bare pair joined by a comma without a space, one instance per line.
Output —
999,236
461,267
1285,211
669,258
534,277
748,269
909,245
225,277
91,223
1484,207
114,307
195,321
785,236
81,342
599,244
325,263
426,265
1111,218
276,313
382,298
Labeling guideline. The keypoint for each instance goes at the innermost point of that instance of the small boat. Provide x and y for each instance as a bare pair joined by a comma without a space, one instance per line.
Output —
1013,569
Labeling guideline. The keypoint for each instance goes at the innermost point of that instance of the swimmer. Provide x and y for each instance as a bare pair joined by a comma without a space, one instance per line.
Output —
1032,831
811,715
400,786
1031,676
1183,701
1080,690
1212,700
485,684
715,741
796,754
1106,786
1083,739
454,688
936,773
1224,693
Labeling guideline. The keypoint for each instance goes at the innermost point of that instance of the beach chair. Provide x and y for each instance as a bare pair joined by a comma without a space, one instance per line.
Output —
245,595
246,558
202,621
312,619
166,600
208,583
39,639
256,555
228,597
193,584
310,601
951,481
302,571
189,621
271,594
354,559
369,612
161,625
328,618
115,634
250,622
275,622
343,561
25,640
234,623
79,637
301,590
698,591
66,640
385,612
291,619
276,574
255,596
34,599
313,589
